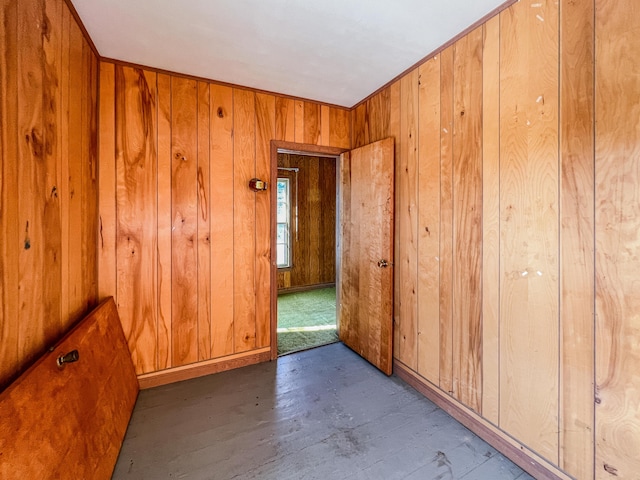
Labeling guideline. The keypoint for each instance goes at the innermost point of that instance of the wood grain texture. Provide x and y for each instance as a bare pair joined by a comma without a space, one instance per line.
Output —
79,419
107,260
89,230
265,131
428,348
136,170
222,184
446,220
467,220
366,298
359,127
184,206
10,360
313,236
244,233
164,224
311,124
394,132
407,212
204,224
285,119
491,221
617,197
299,121
577,239
339,128
529,176
74,174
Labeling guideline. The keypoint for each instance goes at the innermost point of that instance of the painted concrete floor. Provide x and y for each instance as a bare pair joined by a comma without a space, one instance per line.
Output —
320,414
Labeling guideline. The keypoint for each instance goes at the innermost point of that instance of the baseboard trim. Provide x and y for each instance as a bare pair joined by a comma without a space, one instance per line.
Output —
306,288
519,454
200,369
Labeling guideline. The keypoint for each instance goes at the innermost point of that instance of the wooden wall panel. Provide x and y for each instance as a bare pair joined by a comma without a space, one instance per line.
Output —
135,117
244,234
529,176
204,224
491,221
208,234
577,238
265,131
10,360
467,224
428,349
184,214
339,128
313,245
617,197
222,254
446,220
407,215
165,231
48,210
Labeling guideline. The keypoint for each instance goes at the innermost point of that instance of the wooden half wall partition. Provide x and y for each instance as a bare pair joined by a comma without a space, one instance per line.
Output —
48,178
185,244
517,188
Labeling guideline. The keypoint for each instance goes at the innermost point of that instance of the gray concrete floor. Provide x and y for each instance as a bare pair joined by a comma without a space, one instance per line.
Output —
320,414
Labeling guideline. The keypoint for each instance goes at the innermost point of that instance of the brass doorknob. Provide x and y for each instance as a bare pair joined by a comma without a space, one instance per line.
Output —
383,263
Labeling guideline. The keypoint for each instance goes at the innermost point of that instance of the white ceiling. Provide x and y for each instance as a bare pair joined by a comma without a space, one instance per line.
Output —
334,51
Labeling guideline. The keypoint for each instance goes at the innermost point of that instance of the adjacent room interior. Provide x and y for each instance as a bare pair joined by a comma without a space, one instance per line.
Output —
484,252
306,251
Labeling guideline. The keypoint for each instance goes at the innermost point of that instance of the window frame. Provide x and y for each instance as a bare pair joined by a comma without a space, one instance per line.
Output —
288,232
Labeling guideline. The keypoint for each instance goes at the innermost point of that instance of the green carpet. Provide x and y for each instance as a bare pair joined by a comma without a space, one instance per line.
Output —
306,319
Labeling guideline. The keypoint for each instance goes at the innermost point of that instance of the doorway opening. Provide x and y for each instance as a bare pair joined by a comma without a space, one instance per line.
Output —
306,206
304,247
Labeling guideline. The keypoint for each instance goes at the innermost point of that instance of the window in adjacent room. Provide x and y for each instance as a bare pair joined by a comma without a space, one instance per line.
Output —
283,229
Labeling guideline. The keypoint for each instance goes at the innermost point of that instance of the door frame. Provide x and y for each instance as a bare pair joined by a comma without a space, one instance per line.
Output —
309,150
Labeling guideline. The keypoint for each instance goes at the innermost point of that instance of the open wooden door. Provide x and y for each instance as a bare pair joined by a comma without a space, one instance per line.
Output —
365,272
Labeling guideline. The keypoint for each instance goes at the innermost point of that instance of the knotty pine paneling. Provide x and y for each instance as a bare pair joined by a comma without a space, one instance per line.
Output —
314,242
48,179
577,288
467,226
513,196
617,221
178,188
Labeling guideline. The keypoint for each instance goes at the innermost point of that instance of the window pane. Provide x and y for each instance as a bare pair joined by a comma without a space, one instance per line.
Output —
281,233
281,250
283,214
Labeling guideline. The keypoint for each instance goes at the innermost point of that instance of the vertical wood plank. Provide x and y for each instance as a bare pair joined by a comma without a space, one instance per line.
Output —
394,131
222,212
204,233
164,228
359,125
285,119
136,171
378,115
529,287
9,226
244,234
63,172
617,158
311,123
74,183
299,118
90,188
107,262
577,238
491,220
467,220
325,125
184,195
446,220
54,324
31,178
339,131
429,221
408,219
265,131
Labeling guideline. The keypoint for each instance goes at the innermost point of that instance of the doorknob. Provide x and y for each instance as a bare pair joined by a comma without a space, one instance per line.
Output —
383,263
